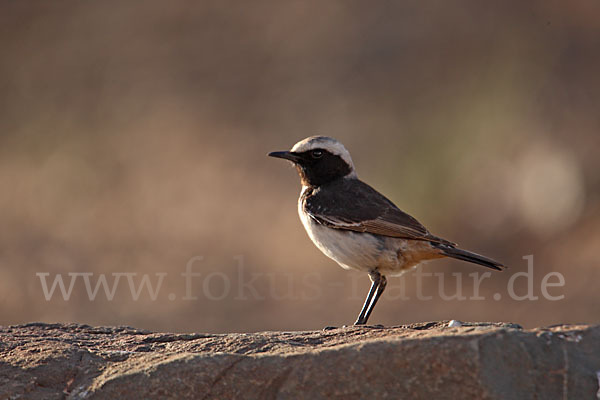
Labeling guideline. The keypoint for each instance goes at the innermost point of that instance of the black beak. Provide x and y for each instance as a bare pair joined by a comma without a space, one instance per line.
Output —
287,155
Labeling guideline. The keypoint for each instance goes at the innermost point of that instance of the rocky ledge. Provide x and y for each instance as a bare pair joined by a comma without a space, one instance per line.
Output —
434,360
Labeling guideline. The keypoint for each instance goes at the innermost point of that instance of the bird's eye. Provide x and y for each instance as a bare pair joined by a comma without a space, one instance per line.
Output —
317,154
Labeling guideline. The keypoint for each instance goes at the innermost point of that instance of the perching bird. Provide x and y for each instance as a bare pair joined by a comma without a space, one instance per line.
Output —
356,226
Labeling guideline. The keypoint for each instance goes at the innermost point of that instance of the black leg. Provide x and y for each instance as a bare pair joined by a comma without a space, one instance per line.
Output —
361,317
378,293
378,283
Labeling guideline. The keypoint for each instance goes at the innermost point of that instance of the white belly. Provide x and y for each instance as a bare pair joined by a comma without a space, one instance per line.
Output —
364,251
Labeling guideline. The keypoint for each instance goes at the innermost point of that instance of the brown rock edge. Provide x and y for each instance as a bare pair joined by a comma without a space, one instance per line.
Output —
419,361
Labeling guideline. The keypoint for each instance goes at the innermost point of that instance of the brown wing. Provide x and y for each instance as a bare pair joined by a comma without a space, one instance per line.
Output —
351,204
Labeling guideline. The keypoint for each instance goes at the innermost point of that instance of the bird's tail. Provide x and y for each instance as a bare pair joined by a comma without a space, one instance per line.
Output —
474,258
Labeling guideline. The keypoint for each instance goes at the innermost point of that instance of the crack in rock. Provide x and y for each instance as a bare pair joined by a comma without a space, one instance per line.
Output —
220,376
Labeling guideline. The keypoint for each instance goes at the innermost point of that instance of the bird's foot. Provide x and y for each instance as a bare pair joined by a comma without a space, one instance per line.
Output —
376,326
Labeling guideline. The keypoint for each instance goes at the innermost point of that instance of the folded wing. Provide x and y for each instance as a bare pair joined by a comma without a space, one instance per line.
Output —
353,205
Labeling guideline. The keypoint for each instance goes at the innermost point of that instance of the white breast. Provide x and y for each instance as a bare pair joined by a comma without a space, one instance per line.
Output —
353,250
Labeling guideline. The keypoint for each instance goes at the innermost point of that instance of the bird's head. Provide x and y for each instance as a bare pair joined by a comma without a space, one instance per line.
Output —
319,160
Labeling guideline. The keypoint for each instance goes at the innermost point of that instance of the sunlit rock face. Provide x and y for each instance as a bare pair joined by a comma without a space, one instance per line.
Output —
435,360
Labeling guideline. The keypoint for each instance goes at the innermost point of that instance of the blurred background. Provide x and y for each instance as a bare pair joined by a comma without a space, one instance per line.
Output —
133,137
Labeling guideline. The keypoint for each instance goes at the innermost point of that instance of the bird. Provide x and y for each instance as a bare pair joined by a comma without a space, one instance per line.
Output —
358,227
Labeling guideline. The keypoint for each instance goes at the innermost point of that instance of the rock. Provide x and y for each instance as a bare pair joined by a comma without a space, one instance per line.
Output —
419,361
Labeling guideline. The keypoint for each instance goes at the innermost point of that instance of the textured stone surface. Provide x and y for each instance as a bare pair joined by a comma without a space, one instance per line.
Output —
421,361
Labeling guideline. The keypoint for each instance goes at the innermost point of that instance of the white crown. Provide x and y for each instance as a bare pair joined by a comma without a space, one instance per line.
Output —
325,143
